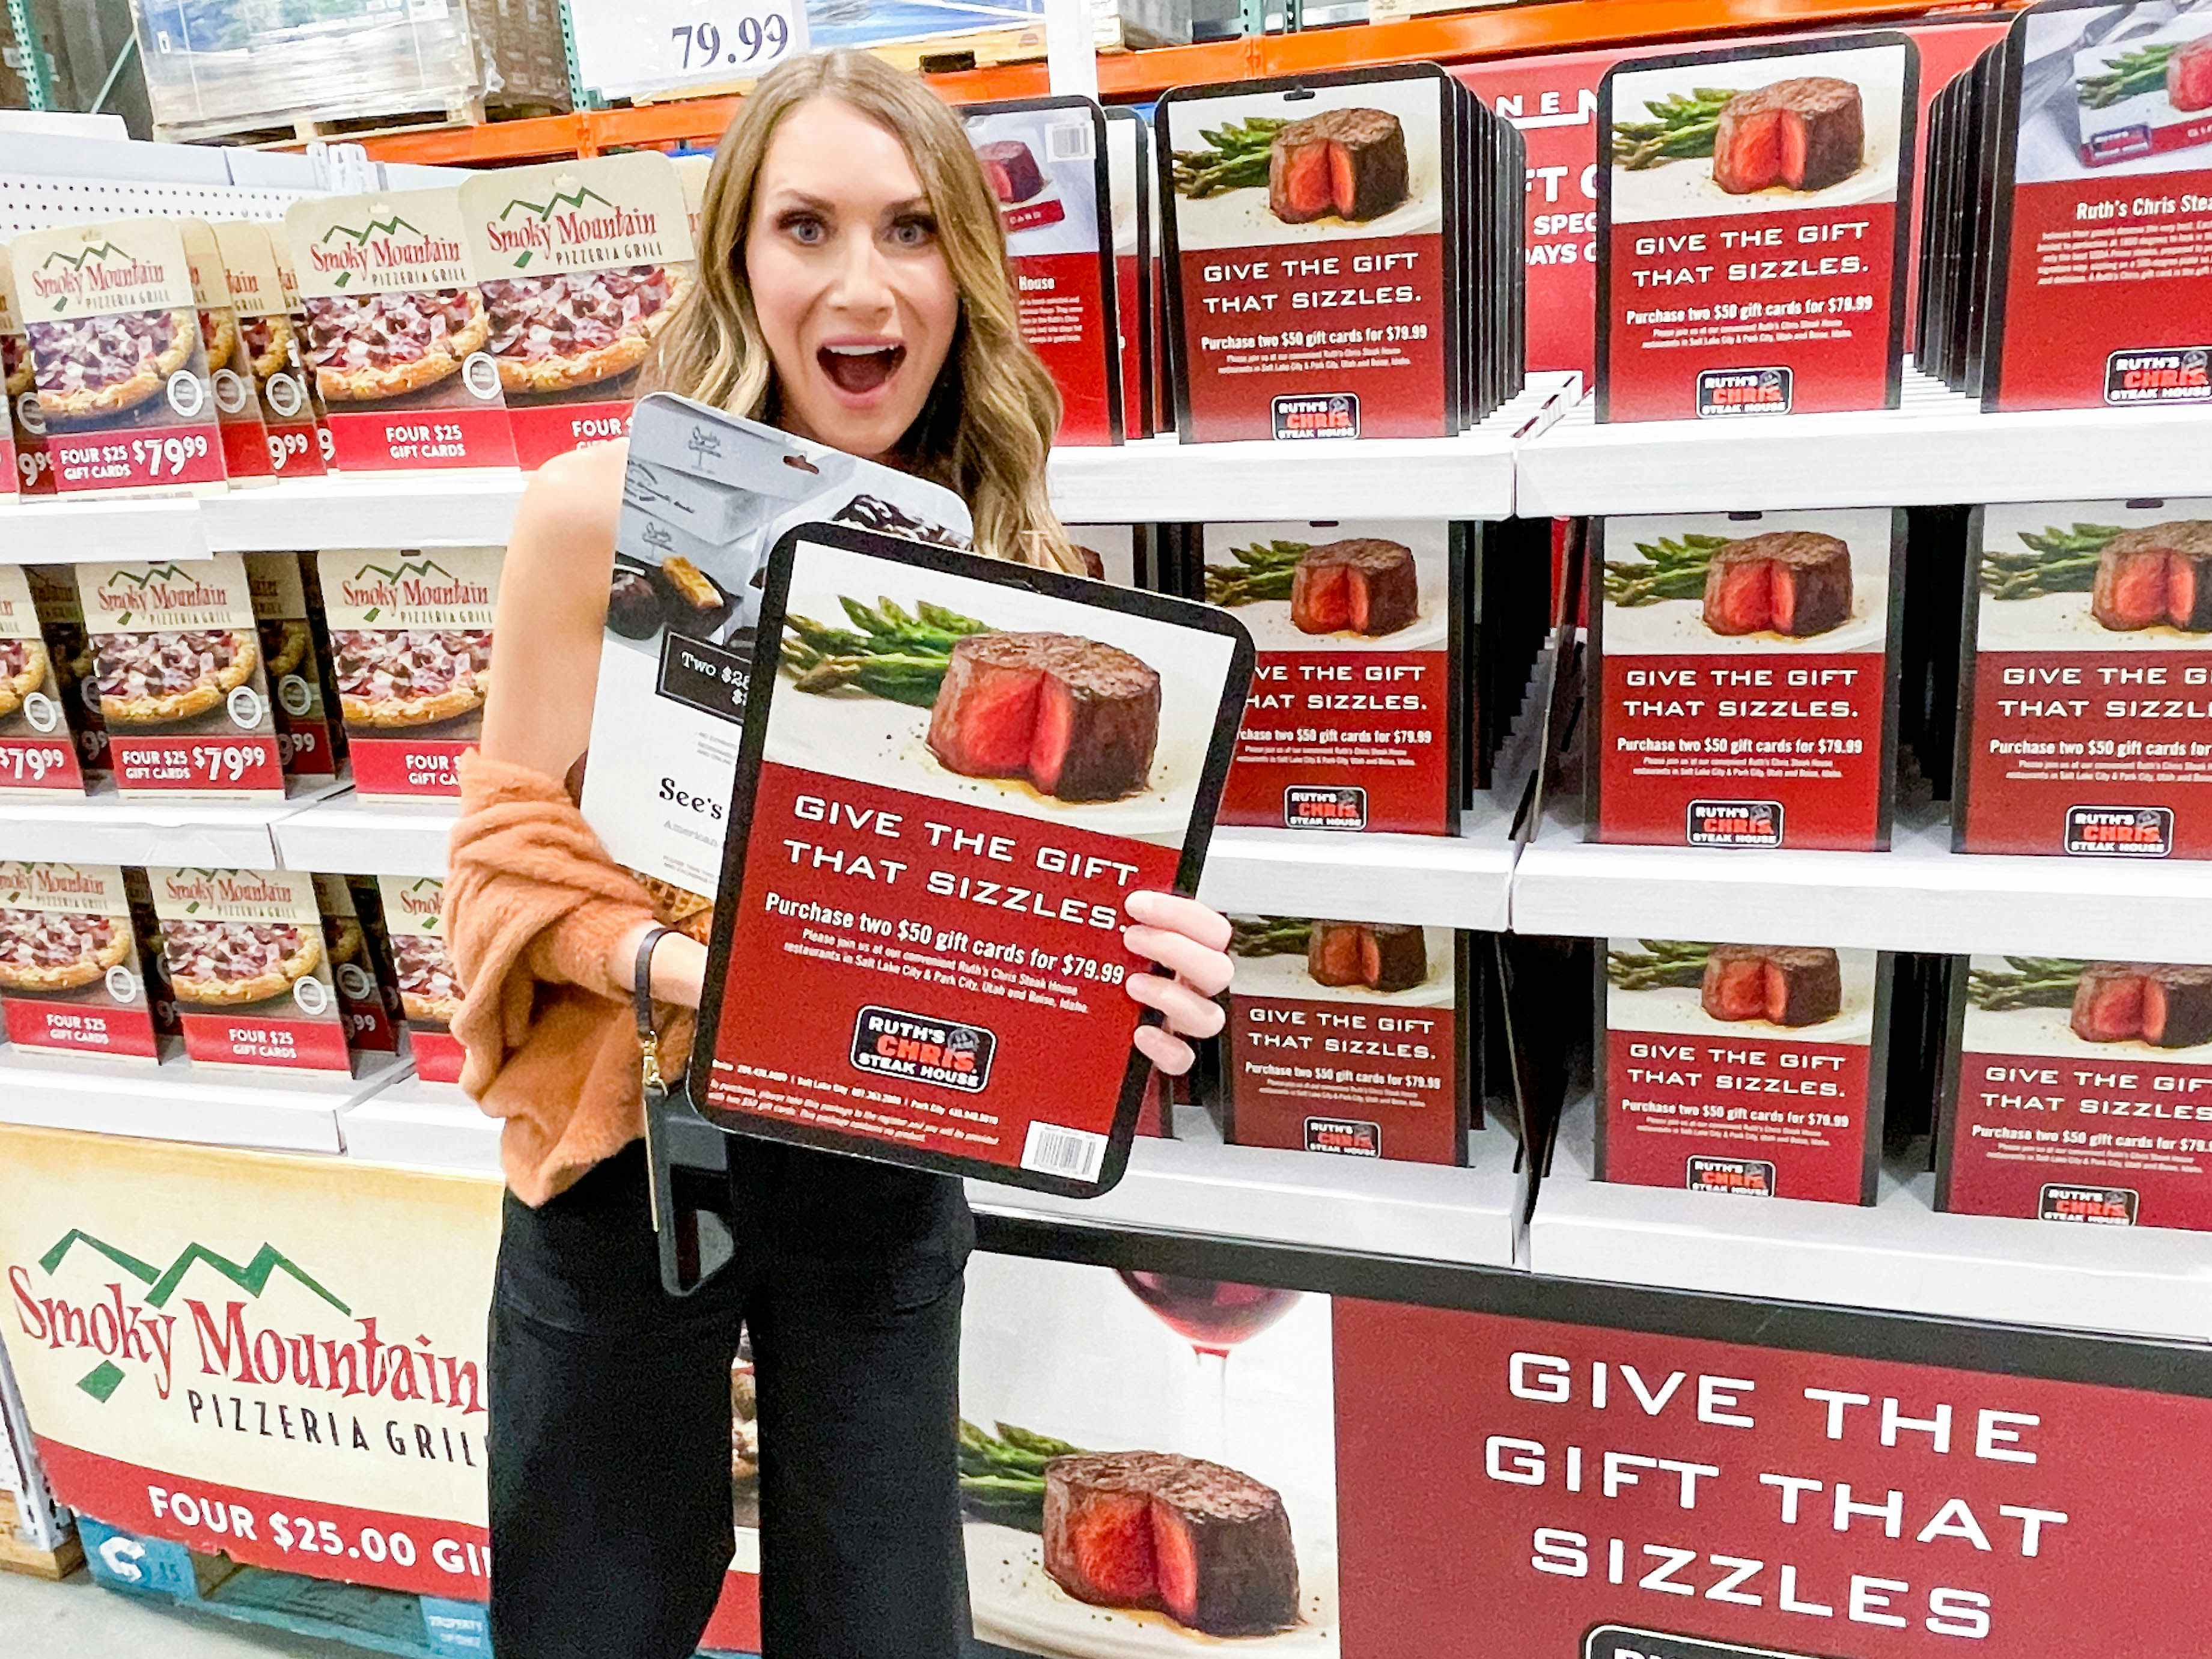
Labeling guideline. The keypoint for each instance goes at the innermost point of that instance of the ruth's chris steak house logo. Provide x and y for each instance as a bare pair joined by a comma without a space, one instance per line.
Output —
413,585
567,220
923,1050
382,247
163,588
144,1324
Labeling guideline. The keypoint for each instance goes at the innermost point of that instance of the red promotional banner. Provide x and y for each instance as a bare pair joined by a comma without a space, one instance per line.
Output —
250,1039
1665,1492
40,763
407,766
545,430
294,448
1753,1070
381,438
1752,259
930,873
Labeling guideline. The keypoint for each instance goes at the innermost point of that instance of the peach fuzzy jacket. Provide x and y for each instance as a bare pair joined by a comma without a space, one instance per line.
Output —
533,907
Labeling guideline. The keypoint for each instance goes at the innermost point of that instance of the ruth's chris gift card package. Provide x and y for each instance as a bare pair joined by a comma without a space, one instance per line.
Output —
244,954
706,497
70,977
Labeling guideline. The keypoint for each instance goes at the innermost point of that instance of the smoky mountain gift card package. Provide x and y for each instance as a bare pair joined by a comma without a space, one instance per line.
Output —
398,333
1349,1037
1754,1070
1353,721
123,401
2101,191
706,495
276,375
2085,688
410,632
245,454
429,986
243,953
1743,672
38,753
581,264
72,981
1313,255
61,623
178,664
292,663
1752,229
1045,160
2079,1091
354,967
930,849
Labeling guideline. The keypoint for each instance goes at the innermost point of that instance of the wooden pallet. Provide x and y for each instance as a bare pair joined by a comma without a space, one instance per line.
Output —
307,129
18,1556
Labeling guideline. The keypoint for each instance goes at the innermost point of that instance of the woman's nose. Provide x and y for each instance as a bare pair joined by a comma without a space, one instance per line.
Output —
863,279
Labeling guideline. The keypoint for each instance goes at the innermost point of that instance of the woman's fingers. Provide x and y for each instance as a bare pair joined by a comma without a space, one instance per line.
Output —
1186,1011
1180,915
1167,1051
1207,971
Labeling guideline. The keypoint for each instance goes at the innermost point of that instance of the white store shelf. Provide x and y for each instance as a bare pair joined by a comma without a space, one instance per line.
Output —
1254,1195
1899,1254
467,507
1936,447
350,836
1919,896
423,1126
103,828
1443,881
77,530
279,1110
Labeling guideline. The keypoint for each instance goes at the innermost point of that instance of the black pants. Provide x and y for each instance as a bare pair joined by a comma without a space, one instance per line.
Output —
609,1432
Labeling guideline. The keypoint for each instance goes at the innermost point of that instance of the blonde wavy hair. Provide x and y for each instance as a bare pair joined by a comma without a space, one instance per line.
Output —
989,423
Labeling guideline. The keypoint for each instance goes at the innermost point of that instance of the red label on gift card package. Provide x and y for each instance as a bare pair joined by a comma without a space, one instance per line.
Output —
381,438
183,454
81,1030
317,1045
248,764
438,1054
1361,1078
294,448
407,766
1063,317
545,430
1344,740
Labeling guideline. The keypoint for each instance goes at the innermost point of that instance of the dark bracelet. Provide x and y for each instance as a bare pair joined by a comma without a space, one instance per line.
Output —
641,978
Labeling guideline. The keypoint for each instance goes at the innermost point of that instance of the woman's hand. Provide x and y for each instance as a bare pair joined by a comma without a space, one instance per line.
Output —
1191,942
679,966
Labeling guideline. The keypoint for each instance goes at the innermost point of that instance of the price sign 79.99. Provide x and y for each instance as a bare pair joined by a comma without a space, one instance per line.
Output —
651,46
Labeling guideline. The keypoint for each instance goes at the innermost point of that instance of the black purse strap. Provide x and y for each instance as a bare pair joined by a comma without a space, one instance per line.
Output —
654,1086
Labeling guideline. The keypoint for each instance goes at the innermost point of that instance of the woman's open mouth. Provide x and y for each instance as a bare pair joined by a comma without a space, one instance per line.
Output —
861,367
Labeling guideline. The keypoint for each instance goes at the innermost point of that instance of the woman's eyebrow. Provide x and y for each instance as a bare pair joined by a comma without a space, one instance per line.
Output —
789,196
911,205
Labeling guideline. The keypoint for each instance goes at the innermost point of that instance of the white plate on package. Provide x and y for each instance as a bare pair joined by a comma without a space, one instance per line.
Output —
1686,190
1269,623
880,742
1017,1605
1240,218
1677,628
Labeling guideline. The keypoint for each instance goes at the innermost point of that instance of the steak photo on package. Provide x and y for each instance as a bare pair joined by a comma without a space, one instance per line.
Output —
1349,162
2168,1006
1782,984
1795,582
1079,719
1381,956
1804,133
1364,584
2159,573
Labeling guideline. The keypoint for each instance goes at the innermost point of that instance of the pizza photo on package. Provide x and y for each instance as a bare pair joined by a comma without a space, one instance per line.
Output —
296,307
1743,672
70,969
430,984
37,751
581,264
2102,234
410,632
1753,1071
244,956
291,664
118,367
1312,255
1753,209
178,674
2074,1092
929,851
398,332
1045,160
351,951
270,348
1349,726
2085,688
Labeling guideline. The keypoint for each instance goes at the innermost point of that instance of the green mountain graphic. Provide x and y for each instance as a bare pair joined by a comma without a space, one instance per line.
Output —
559,199
407,567
78,261
254,1277
391,227
154,572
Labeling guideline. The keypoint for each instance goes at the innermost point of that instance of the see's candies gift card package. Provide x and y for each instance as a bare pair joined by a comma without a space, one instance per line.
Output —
270,348
293,666
70,978
244,954
61,621
1353,719
118,362
1046,162
581,264
245,454
1350,1038
2085,690
2079,1091
429,989
182,692
1755,1070
354,967
1313,255
410,650
398,334
1743,675
1752,229
38,751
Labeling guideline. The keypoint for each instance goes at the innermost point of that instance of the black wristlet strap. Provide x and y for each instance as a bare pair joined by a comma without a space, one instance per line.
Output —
654,1087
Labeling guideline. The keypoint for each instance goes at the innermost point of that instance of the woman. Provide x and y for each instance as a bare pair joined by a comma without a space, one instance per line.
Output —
853,290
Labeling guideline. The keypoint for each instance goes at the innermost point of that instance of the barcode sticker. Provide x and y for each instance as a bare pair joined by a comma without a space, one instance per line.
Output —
1051,1149
1068,141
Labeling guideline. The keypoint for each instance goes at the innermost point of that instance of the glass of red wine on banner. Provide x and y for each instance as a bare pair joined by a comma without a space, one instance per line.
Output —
1213,1316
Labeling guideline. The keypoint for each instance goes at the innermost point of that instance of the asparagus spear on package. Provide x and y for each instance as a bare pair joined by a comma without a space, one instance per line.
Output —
706,497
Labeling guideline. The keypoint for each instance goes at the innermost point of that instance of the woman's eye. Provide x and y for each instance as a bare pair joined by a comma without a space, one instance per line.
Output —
806,229
913,233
